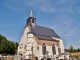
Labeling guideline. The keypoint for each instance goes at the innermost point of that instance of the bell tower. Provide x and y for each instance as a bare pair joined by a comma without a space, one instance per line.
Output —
31,20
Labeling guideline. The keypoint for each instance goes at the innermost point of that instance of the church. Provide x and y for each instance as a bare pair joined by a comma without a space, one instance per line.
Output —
40,42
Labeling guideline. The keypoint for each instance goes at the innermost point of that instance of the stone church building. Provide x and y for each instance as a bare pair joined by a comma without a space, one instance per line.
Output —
40,42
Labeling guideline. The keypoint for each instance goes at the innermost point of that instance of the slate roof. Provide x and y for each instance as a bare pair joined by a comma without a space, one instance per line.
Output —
43,32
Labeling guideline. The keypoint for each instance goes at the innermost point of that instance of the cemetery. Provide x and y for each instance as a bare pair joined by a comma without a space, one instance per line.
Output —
18,57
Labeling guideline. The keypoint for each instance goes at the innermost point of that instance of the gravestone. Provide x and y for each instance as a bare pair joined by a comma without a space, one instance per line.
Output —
19,57
70,58
15,57
74,58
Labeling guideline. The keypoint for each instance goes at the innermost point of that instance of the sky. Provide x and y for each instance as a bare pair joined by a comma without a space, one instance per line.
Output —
63,16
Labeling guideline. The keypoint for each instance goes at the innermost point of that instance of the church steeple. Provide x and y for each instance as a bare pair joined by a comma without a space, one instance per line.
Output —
31,20
31,14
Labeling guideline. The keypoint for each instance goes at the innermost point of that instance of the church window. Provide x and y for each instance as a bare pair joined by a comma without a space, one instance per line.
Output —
25,47
59,50
53,49
44,48
37,47
32,21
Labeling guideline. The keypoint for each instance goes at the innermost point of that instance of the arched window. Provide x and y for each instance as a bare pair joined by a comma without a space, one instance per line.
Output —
53,49
25,47
32,20
44,48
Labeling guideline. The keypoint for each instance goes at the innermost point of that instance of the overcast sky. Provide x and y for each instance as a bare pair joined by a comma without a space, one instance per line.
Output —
63,16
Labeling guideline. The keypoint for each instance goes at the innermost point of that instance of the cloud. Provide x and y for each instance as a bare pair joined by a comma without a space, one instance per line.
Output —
48,9
19,5
42,5
66,6
58,6
8,25
14,6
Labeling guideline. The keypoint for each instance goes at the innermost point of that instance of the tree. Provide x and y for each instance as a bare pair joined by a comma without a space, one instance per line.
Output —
78,50
16,47
7,46
2,39
71,49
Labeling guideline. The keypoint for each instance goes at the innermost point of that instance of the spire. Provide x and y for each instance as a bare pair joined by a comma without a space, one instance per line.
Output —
31,14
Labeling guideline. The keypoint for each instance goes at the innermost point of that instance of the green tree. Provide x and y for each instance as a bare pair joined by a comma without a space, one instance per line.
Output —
2,39
78,50
71,49
16,47
7,46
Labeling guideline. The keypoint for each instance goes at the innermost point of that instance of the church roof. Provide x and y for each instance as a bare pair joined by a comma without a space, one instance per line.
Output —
39,31
43,32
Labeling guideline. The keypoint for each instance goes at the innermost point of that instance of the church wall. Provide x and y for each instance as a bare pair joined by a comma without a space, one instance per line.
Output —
35,47
36,39
48,42
40,54
57,53
23,40
61,45
31,42
48,47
